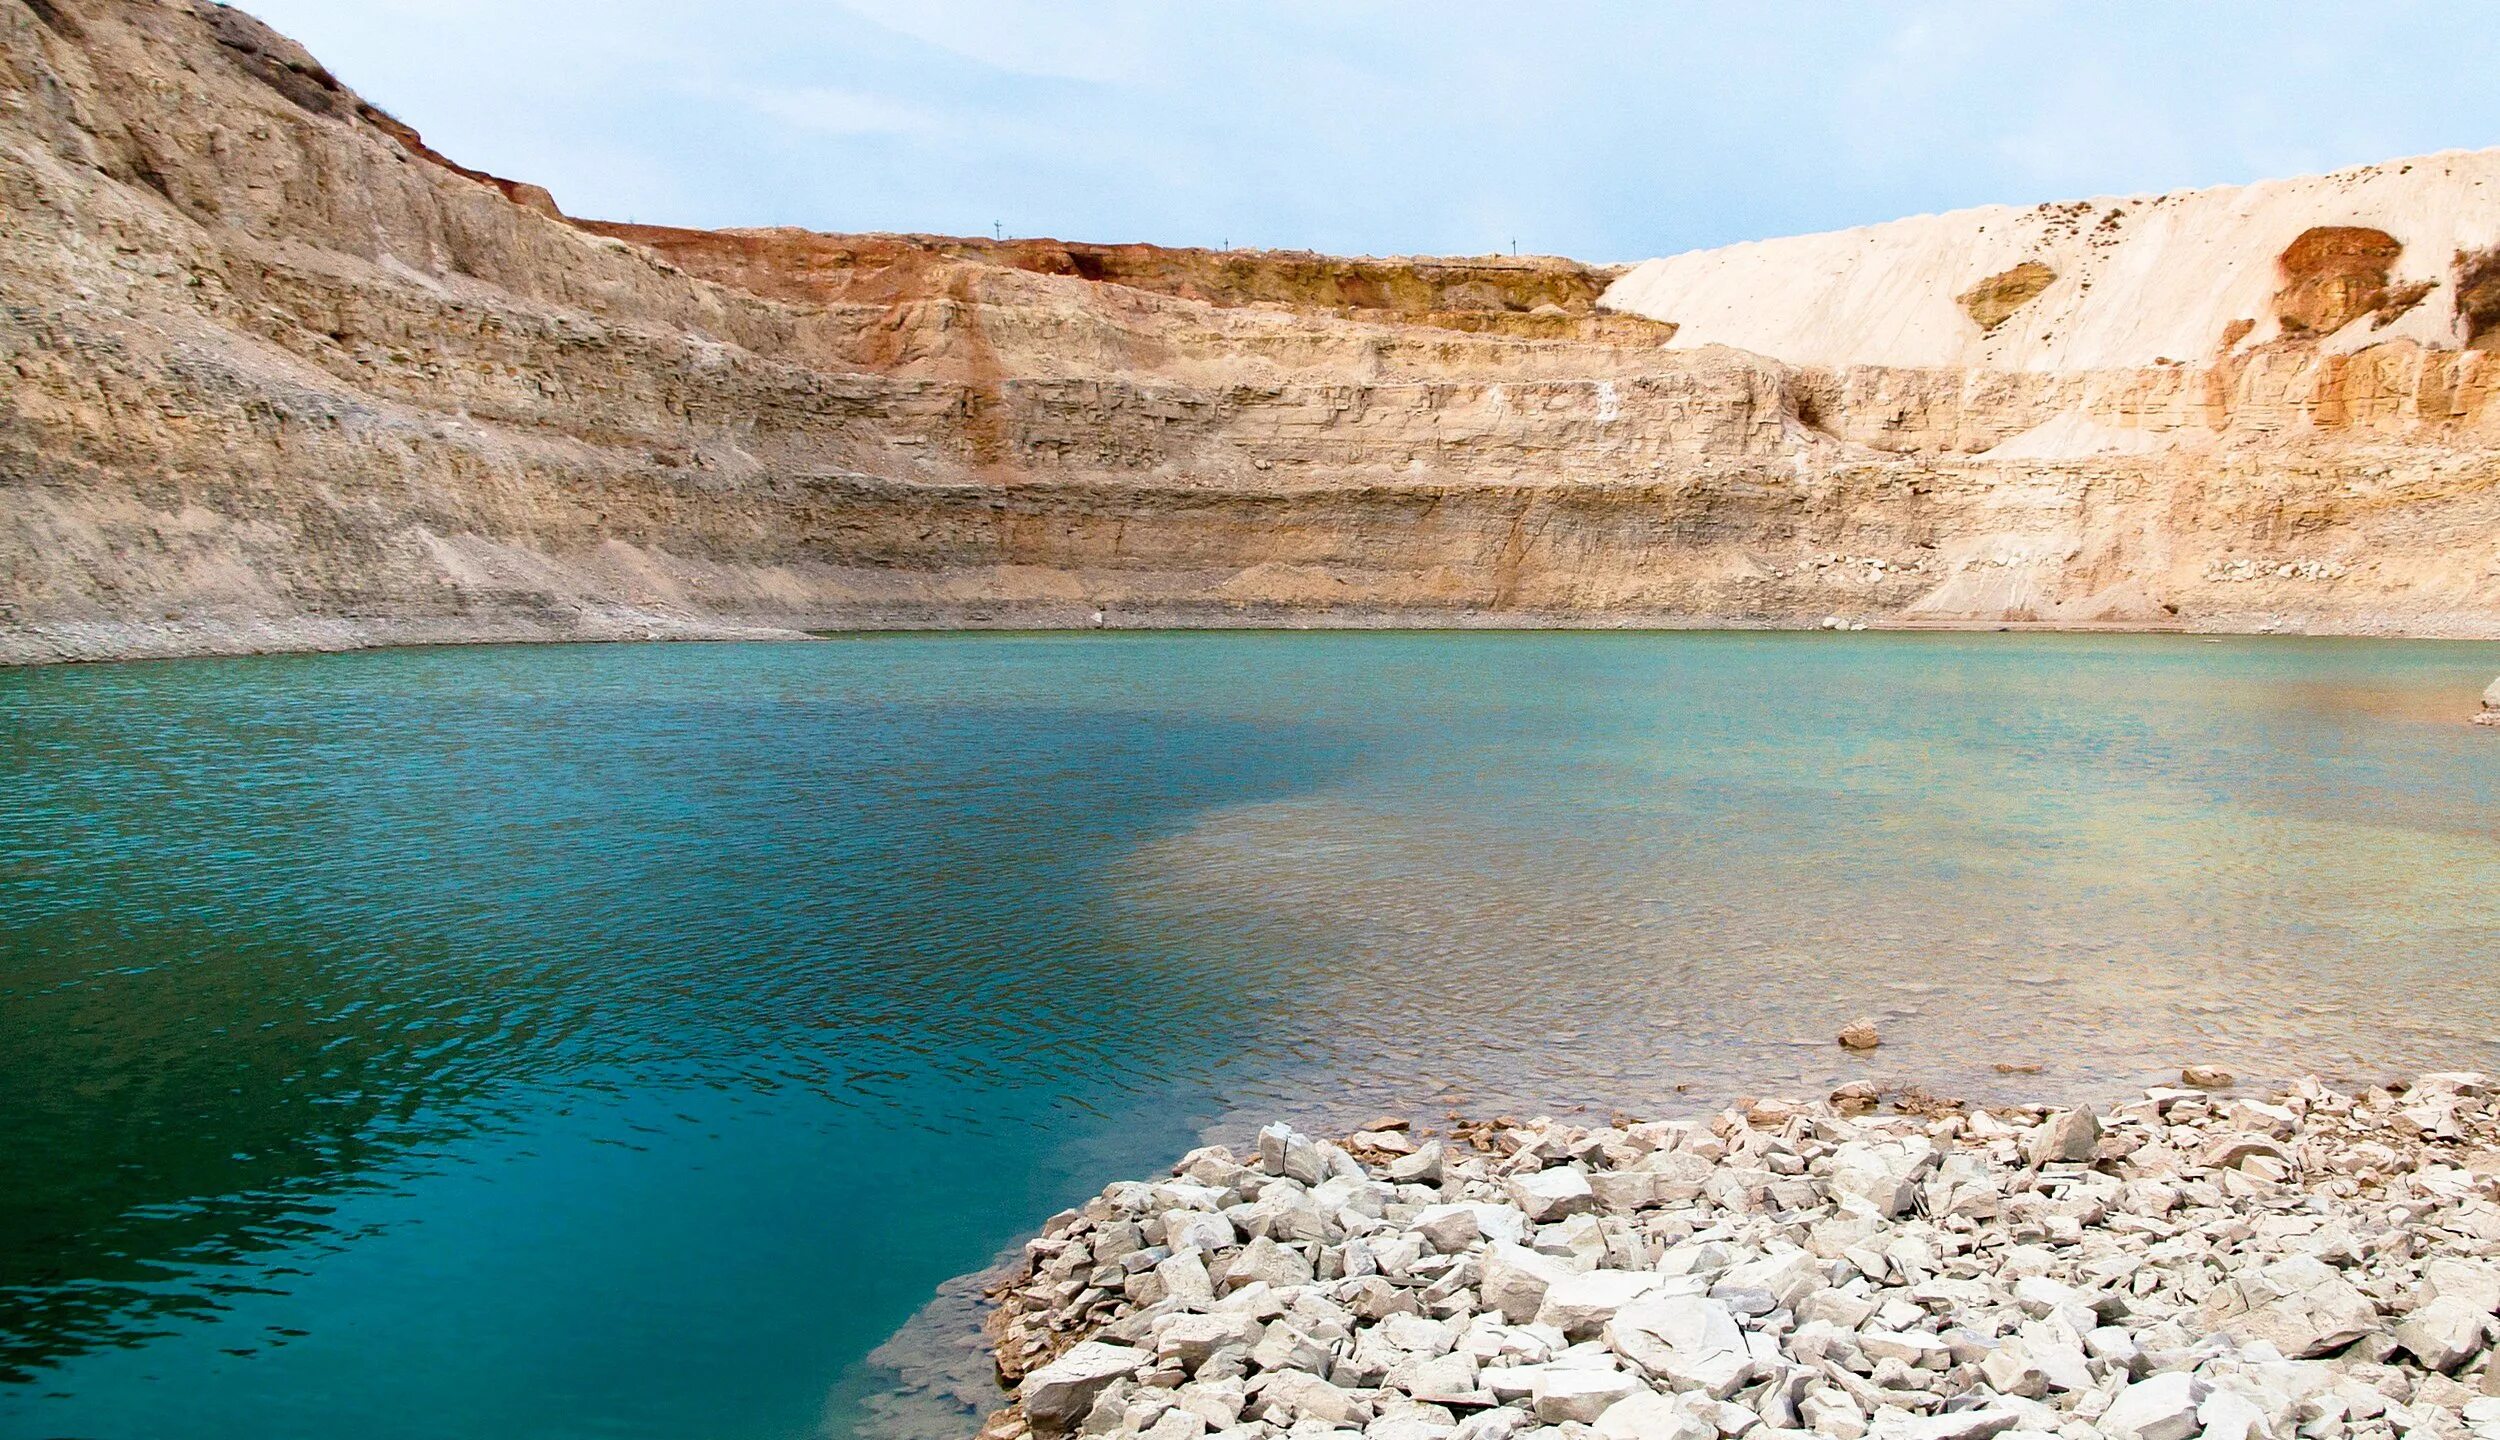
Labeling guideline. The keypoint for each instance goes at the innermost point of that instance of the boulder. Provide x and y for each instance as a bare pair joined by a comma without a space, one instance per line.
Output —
2476,1282
1283,1346
1550,1195
2445,1333
1421,1168
1690,1342
1263,1260
1651,1416
1501,1424
1446,1380
1297,1395
1913,1348
1788,1276
1185,1280
1448,1229
1580,1305
1516,1279
2162,1407
2069,1136
1197,1230
1974,1424
1883,1176
1057,1396
1561,1394
2302,1309
1286,1151
1187,1340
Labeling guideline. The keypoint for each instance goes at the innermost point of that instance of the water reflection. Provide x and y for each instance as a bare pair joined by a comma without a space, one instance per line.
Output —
291,952
624,1041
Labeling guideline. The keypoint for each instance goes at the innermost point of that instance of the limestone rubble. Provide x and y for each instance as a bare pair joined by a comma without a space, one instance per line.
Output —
2316,1264
280,375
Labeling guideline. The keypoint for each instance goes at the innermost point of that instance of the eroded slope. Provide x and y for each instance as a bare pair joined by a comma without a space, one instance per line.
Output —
281,375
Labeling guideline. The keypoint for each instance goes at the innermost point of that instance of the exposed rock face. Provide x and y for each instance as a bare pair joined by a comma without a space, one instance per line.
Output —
1994,300
281,375
2335,274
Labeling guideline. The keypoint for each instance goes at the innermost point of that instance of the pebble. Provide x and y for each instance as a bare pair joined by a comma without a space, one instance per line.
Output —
2306,1266
1860,1034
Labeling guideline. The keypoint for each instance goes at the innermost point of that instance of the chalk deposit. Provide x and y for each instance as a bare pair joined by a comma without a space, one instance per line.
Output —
2314,1264
281,375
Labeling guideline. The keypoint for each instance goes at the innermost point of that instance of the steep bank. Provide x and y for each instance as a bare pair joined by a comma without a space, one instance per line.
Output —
283,376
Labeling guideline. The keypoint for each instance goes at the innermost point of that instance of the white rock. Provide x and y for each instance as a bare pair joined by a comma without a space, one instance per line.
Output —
1788,1276
1583,1395
2229,1415
1516,1279
1651,1416
2445,1333
2327,1314
2067,1136
1285,1151
1500,1424
1421,1168
1411,1425
1832,1412
1953,1425
1284,1346
1580,1305
1914,1348
1690,1342
1057,1396
2162,1407
1197,1230
1304,1396
1185,1280
1264,1260
1881,1176
1447,1380
1550,1195
1190,1339
1449,1229
2010,1370
2476,1282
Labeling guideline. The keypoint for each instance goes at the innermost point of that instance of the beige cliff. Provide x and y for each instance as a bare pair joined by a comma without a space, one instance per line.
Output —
279,375
2358,259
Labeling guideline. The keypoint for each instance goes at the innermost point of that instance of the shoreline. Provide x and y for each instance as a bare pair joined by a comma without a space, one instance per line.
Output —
113,641
2197,1261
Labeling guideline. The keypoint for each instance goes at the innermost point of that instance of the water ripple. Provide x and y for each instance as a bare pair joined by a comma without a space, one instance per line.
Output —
636,1036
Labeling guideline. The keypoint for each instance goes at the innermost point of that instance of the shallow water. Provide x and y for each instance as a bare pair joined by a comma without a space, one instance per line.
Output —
622,1041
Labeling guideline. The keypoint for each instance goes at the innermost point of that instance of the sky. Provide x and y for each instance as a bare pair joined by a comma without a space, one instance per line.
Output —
1610,131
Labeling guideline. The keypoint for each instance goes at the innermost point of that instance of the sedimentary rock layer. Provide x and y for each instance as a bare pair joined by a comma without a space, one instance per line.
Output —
278,374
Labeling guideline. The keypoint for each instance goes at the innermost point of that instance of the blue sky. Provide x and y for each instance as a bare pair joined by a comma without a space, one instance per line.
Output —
1606,131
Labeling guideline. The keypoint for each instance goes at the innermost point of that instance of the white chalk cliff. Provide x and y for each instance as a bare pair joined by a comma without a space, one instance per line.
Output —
2125,281
281,375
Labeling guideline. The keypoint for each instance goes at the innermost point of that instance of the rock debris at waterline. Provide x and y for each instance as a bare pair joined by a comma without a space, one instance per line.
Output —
2317,1265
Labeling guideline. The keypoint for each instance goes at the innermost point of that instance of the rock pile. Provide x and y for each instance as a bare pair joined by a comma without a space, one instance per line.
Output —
2314,1265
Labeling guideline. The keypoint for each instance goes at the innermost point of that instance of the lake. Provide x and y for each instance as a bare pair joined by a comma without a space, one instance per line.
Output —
623,1041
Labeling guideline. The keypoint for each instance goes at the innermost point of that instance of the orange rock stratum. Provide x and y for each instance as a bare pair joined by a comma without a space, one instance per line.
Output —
279,375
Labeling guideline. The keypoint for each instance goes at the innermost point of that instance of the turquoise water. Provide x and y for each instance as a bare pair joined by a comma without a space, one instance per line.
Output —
622,1041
